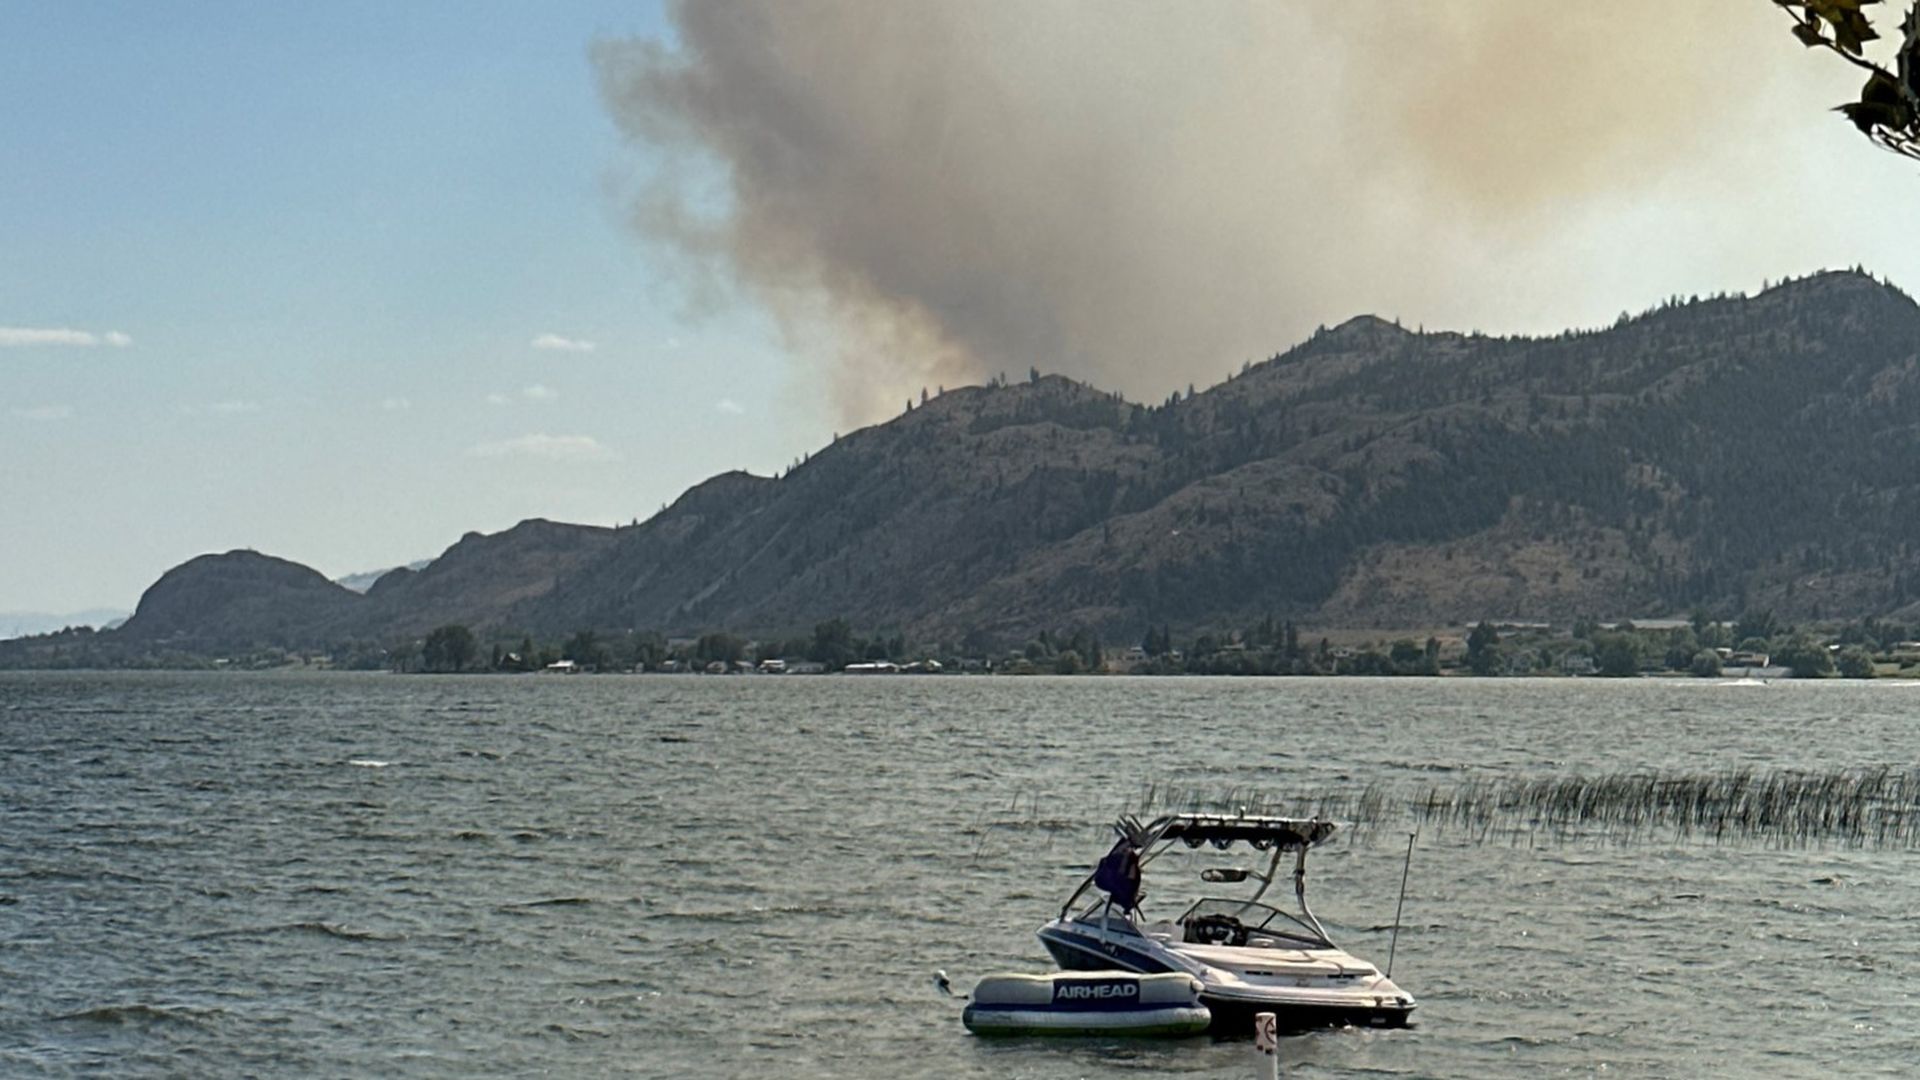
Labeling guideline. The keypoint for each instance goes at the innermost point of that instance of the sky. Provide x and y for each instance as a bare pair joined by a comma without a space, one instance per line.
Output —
341,286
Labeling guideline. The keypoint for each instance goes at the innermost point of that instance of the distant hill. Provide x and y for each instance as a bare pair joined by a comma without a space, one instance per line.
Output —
1720,453
15,624
364,580
482,581
241,596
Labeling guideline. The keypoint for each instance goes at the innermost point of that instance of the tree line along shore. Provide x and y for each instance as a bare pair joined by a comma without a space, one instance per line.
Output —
1754,644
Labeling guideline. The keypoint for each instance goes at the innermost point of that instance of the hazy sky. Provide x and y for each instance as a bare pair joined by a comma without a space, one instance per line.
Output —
342,284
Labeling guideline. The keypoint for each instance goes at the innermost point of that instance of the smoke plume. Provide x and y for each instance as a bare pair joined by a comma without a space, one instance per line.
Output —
1143,195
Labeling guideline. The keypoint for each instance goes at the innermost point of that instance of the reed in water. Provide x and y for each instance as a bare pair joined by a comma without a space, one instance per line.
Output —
1874,806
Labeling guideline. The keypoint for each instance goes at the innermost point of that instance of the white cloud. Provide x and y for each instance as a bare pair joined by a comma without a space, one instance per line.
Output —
548,447
45,413
539,392
557,343
497,398
729,406
22,337
395,404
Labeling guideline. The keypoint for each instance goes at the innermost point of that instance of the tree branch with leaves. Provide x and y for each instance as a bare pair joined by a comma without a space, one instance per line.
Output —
1888,111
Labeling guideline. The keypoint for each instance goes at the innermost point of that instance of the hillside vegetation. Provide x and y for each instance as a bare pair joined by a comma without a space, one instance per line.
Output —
1719,454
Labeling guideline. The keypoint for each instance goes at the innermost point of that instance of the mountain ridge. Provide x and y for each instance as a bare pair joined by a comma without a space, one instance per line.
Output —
1720,453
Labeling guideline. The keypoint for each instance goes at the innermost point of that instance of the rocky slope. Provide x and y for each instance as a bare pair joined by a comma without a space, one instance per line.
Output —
211,600
1720,453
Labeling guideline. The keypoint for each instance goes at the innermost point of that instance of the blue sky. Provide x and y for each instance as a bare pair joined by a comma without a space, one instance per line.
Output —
332,245
341,284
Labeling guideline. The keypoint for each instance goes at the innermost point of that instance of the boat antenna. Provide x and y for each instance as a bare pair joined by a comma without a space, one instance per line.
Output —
1394,945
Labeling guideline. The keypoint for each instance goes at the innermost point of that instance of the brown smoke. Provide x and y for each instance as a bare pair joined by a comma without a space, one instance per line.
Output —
1147,194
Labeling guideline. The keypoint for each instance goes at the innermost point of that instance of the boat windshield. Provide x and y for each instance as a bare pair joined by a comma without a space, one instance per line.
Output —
1113,921
1220,921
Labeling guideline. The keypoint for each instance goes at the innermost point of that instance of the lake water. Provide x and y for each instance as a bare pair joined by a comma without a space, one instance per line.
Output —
346,875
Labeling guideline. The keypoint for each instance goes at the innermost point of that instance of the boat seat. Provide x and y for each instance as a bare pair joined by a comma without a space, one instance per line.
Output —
1294,961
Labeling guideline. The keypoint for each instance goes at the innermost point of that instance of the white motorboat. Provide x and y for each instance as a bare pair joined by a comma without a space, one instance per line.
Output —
1250,957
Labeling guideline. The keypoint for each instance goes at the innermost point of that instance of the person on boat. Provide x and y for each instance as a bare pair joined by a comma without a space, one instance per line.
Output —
1118,872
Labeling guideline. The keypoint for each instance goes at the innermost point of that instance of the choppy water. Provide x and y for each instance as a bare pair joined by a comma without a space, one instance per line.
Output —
335,875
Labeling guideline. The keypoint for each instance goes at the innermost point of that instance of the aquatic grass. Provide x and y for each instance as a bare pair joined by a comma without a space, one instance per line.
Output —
1872,806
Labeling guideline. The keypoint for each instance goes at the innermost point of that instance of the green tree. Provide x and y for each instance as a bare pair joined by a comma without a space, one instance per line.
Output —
584,648
403,656
1158,642
1483,649
448,648
1410,659
1888,111
1755,624
1368,661
1706,664
647,650
1806,655
1682,647
833,644
1855,662
1617,653
725,648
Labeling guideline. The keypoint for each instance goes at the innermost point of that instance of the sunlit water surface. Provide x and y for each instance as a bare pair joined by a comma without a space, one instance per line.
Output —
341,875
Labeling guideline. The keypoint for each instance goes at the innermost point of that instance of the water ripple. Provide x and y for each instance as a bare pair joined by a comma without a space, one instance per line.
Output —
340,875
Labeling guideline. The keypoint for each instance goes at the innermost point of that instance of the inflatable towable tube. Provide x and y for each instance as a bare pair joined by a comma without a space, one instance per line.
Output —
1087,1003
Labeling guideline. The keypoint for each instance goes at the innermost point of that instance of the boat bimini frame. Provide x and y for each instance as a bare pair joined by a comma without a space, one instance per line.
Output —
1249,955
1280,835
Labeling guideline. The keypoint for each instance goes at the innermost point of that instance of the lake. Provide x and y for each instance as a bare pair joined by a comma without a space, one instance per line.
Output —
370,875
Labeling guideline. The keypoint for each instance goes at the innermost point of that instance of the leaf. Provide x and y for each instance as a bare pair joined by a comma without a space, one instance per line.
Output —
1836,10
1908,58
1881,105
1851,28
1852,33
1881,90
1809,34
1867,116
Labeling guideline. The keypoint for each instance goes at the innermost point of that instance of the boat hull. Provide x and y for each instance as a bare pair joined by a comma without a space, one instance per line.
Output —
1076,952
1234,1016
1232,1012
